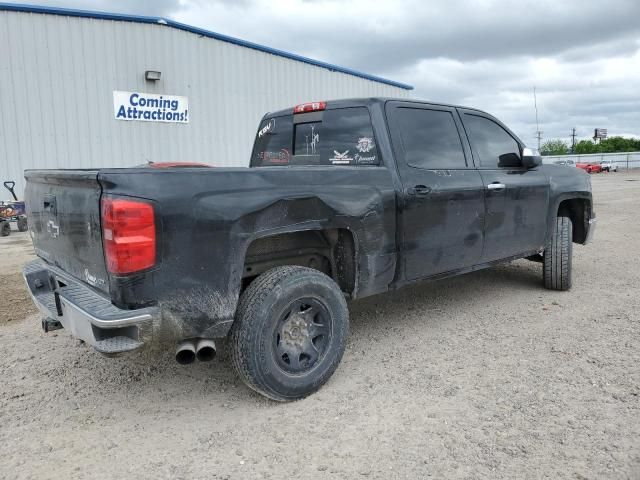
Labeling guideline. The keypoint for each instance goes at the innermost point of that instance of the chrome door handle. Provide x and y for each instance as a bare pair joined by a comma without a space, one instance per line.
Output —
496,186
419,190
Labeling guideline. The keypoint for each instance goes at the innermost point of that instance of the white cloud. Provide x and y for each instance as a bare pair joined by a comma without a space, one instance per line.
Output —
584,61
583,57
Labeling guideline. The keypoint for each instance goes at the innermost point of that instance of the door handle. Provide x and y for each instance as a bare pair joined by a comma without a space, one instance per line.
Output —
496,186
419,190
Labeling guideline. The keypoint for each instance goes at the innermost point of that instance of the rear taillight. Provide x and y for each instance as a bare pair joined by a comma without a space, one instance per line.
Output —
128,234
310,107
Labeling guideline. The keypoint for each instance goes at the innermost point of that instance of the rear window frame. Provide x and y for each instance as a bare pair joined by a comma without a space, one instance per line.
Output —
312,117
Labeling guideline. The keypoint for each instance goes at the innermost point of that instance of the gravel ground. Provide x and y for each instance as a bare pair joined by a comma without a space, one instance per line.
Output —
486,375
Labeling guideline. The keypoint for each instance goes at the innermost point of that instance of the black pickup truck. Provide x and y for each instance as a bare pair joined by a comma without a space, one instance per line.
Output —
342,200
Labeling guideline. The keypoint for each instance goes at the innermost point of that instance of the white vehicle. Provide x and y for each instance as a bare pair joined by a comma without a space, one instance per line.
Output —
608,166
566,163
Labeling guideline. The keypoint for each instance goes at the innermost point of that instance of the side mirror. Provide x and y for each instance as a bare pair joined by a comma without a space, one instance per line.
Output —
531,157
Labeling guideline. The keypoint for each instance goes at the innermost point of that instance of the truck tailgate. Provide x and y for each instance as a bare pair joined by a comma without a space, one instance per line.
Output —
63,210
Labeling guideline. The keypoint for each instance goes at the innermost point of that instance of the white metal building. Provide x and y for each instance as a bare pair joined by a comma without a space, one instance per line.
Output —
69,82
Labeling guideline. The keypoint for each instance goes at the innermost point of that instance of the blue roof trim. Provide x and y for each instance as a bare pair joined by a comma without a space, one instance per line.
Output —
198,31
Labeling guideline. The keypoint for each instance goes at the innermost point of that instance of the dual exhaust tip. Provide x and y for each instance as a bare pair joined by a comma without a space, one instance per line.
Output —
203,349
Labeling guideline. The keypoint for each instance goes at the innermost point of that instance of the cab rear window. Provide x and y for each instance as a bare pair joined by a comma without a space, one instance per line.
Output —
339,137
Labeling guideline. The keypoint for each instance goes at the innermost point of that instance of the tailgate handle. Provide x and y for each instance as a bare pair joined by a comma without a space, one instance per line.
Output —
50,203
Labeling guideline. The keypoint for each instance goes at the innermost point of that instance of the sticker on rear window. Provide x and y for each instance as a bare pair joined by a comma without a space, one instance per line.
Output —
362,160
281,157
341,158
311,139
365,144
269,127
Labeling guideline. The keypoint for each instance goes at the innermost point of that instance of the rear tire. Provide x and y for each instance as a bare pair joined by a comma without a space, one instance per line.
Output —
5,229
557,258
22,224
289,333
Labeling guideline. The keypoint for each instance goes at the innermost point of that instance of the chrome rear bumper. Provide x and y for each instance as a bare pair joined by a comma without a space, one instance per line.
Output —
86,313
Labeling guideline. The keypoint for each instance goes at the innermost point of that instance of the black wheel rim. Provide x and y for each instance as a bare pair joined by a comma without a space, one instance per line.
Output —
302,336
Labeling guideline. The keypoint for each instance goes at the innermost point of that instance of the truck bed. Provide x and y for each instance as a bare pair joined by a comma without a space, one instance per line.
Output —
206,221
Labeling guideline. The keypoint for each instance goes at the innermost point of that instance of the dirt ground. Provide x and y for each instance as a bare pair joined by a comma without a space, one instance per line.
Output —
16,303
487,375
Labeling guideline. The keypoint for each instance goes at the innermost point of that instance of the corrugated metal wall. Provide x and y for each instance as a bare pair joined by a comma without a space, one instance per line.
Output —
58,74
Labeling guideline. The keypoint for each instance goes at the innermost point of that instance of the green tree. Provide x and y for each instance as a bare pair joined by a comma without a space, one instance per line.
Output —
554,147
586,146
609,145
618,144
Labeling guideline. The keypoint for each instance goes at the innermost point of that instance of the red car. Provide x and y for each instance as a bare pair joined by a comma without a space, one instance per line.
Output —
589,167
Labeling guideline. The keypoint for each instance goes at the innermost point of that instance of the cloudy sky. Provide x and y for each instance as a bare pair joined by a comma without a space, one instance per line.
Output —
582,56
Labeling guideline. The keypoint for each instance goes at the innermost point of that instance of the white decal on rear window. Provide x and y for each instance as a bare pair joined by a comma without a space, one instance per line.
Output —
315,140
341,158
365,144
267,128
360,160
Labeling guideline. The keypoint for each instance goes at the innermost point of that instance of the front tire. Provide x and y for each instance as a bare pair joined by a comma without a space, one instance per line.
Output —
557,258
5,228
289,333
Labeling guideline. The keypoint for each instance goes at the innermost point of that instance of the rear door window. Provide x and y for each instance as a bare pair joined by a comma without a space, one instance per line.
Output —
338,137
429,138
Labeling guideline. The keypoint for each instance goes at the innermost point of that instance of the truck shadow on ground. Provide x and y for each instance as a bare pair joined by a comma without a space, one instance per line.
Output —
154,372
446,296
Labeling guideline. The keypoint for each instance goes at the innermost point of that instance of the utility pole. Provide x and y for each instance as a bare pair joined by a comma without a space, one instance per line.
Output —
539,137
538,131
573,140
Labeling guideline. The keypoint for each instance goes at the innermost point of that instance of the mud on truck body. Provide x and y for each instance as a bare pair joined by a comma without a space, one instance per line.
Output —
342,200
